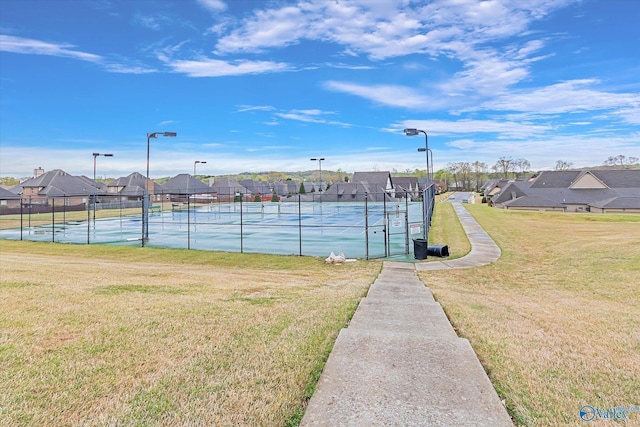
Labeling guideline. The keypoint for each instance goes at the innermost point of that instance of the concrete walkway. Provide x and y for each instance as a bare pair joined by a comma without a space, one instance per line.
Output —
400,362
483,249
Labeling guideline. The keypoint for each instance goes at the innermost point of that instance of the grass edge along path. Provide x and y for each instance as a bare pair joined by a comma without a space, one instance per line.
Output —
556,320
106,335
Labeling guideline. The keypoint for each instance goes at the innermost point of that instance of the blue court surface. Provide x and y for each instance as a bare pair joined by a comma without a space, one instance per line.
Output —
374,230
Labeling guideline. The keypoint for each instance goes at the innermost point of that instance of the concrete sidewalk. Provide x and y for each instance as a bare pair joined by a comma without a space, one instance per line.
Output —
400,362
483,249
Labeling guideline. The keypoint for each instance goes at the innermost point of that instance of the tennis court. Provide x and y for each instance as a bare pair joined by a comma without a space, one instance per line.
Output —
359,230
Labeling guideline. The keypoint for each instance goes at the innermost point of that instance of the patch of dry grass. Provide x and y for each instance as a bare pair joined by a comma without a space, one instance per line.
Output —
38,220
98,335
556,321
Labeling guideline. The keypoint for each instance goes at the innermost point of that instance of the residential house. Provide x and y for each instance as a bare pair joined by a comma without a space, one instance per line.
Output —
406,187
8,199
57,187
257,188
227,190
594,190
178,187
378,185
132,187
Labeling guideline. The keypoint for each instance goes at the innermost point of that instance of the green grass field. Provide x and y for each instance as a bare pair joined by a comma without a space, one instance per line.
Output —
101,335
97,335
556,321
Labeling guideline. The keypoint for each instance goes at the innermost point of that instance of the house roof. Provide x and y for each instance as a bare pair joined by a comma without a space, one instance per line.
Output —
228,186
555,179
185,183
533,201
618,203
133,179
8,195
598,188
58,183
256,186
510,191
618,178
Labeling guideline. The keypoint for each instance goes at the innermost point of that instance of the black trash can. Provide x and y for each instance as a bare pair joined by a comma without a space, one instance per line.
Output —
438,250
420,248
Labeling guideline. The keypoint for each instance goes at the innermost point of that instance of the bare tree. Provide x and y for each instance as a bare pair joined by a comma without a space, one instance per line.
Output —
621,160
561,165
504,165
464,169
522,165
479,168
452,168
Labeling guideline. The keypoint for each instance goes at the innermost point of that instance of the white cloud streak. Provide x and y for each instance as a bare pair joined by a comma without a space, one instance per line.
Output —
36,47
219,68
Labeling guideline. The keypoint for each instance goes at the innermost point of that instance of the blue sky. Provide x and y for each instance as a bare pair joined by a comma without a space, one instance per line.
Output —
267,85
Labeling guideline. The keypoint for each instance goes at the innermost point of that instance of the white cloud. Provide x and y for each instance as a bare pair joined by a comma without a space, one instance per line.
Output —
505,129
565,97
213,5
218,68
37,47
391,95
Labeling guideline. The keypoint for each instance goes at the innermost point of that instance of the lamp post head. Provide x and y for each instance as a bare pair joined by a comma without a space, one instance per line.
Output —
155,134
422,150
411,131
108,155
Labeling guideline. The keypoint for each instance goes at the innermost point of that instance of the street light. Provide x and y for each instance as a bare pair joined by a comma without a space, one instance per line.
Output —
145,198
414,132
95,155
194,171
320,167
427,206
95,189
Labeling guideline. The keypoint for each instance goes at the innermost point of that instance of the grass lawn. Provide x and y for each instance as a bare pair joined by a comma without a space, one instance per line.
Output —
101,335
556,321
14,221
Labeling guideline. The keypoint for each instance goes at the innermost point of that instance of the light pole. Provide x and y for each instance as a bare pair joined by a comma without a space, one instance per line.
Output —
319,160
414,132
145,198
95,186
425,199
194,173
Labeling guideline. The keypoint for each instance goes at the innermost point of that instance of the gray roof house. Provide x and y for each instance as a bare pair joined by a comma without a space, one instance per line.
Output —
378,185
406,186
227,189
602,191
9,199
186,184
256,187
58,184
131,187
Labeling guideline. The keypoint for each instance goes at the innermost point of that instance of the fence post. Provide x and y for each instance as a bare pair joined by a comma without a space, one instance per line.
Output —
299,225
21,207
89,219
53,219
241,226
366,226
